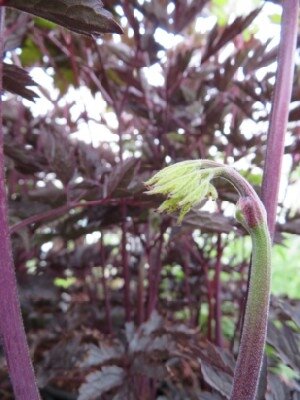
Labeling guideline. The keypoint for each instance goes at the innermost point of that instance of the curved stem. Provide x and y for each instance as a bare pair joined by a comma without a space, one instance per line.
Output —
254,218
188,183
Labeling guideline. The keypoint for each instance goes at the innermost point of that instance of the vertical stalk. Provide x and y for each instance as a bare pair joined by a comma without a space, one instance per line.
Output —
12,331
104,287
155,265
187,287
280,110
278,123
209,301
218,288
141,292
125,265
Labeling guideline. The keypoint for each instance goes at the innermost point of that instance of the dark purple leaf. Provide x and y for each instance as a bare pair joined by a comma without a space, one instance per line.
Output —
216,42
100,382
104,353
120,178
16,80
278,390
81,16
217,379
287,344
210,222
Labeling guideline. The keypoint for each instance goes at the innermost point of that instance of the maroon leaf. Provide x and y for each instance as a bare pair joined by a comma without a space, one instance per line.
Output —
121,177
16,80
81,16
216,42
217,379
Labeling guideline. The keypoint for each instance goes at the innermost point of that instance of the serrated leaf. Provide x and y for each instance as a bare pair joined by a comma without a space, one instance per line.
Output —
81,16
98,355
149,339
101,382
217,379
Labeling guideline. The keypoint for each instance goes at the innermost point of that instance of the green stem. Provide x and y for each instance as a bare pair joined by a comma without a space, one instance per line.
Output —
251,213
188,183
249,361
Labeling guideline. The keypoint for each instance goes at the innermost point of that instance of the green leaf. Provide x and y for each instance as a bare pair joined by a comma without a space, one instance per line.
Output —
275,18
185,184
254,178
220,2
81,16
221,15
44,23
64,283
285,266
30,53
219,9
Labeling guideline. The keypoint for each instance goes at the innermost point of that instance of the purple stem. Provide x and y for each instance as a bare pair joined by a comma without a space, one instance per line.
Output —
187,287
280,110
218,288
106,292
12,331
141,293
125,265
55,212
155,265
209,301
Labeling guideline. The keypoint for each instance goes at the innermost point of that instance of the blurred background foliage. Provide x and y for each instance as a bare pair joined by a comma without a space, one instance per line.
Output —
120,302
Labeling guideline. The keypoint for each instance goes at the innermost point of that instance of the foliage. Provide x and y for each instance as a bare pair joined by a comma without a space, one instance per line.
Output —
116,297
